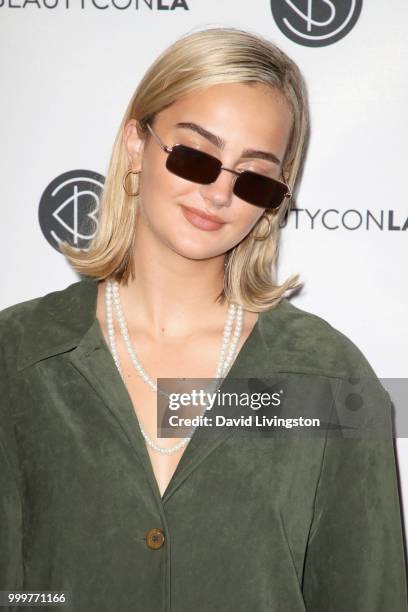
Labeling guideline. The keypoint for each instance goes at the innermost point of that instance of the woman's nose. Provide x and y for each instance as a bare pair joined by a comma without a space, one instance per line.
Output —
220,191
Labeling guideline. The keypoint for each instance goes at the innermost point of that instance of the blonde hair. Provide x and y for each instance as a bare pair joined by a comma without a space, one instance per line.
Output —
197,60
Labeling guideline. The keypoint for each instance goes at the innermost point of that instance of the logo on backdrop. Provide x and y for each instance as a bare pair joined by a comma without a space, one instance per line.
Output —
316,23
68,208
147,5
349,219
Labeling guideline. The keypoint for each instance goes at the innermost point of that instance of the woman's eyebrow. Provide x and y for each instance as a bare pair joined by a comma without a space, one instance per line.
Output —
220,143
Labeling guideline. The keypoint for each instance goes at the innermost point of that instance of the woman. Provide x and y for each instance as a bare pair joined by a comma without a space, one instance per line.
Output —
177,284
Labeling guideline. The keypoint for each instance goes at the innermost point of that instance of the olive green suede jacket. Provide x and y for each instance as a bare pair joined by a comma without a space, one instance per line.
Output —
250,524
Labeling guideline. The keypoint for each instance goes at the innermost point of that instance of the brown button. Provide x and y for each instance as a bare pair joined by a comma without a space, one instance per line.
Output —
155,538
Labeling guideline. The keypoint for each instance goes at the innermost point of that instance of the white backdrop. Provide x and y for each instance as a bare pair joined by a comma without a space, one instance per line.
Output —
68,70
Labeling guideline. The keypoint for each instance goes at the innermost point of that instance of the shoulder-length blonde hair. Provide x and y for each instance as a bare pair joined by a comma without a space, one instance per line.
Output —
201,59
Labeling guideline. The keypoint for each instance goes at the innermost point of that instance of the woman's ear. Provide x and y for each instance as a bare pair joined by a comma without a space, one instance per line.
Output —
134,144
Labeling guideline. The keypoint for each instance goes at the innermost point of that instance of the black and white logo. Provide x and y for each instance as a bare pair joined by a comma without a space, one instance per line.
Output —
316,23
68,208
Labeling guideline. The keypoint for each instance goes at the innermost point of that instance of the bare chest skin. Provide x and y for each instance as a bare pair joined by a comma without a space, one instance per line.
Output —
195,359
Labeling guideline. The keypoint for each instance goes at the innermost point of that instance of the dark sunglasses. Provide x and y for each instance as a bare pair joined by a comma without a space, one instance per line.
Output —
199,167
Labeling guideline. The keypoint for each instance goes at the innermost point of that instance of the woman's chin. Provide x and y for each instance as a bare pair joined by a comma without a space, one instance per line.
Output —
194,251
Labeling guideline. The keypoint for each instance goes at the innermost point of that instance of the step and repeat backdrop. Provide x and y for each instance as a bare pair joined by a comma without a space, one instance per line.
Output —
68,70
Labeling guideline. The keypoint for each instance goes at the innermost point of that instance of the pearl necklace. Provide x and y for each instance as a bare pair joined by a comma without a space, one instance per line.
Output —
224,361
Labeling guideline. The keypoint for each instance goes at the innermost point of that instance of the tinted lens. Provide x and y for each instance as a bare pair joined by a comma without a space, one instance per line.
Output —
259,190
193,165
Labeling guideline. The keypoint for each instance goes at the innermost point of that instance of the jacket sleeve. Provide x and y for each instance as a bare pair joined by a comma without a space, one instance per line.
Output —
11,534
355,557
10,524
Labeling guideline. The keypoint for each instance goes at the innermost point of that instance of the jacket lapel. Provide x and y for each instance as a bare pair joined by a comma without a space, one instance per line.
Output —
93,360
66,320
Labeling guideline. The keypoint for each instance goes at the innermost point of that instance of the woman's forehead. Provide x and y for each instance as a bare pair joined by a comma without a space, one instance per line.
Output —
233,111
234,95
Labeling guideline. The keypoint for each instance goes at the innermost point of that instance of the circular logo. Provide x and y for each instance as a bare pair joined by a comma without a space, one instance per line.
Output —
68,208
316,23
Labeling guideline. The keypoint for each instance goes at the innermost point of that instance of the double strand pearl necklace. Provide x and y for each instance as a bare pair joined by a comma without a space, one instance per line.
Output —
224,362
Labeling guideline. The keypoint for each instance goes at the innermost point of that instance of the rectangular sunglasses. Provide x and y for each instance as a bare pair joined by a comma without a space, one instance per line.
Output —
200,167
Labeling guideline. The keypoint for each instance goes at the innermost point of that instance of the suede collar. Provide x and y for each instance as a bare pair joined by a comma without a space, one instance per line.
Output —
58,322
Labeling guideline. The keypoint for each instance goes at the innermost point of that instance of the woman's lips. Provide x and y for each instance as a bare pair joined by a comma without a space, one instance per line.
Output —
197,220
